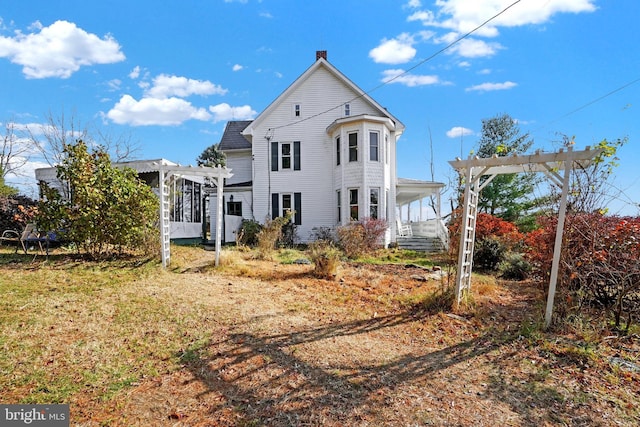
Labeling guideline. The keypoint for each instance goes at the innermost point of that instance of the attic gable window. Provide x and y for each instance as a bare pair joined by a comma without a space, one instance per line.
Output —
347,109
297,110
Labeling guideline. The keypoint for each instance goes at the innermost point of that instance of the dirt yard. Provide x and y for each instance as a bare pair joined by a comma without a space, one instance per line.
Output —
370,350
273,346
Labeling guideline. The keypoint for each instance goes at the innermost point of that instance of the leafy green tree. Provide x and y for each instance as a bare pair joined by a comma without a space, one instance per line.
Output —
6,190
110,210
212,156
506,196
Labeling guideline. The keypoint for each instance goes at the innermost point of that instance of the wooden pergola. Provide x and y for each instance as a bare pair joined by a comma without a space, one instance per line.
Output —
167,173
556,166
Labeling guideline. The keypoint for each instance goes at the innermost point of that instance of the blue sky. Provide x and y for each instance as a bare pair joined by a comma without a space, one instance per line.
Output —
169,74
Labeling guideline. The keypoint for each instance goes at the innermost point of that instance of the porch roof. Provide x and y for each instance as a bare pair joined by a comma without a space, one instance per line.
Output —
411,190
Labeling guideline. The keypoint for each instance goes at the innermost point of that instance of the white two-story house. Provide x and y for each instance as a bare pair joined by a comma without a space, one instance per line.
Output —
325,150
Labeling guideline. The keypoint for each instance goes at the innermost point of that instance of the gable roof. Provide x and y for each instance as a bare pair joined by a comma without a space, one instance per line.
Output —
232,138
322,62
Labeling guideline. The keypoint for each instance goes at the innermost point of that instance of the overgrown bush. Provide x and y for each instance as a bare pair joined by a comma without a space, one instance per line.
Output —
362,237
16,212
494,239
514,267
599,263
326,258
488,253
289,235
248,233
323,233
111,210
269,236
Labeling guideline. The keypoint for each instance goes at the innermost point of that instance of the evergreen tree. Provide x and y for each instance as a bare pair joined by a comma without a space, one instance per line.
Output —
506,196
212,156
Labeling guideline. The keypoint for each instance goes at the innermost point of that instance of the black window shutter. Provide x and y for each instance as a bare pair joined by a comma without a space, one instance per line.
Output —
297,206
296,155
274,156
275,208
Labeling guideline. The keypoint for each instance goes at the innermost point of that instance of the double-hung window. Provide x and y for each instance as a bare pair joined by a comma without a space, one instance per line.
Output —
284,155
353,204
374,146
338,151
353,147
284,203
339,196
374,202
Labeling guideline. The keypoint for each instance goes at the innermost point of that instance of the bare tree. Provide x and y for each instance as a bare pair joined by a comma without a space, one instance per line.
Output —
50,139
14,151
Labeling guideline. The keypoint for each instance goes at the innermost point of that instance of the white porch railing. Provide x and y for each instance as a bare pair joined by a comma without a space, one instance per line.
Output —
433,228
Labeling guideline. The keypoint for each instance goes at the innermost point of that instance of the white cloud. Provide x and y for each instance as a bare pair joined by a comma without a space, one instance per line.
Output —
458,131
135,73
166,86
58,50
237,67
266,15
488,87
411,80
395,51
153,111
463,16
460,17
474,48
413,4
224,111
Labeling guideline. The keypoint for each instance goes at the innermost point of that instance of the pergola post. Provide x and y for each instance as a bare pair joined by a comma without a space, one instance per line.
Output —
557,248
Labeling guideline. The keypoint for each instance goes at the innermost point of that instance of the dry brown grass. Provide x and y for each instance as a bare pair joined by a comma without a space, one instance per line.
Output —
262,343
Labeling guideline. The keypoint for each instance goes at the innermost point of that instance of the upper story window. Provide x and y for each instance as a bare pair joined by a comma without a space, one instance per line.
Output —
297,110
338,151
386,149
353,147
284,155
347,109
374,146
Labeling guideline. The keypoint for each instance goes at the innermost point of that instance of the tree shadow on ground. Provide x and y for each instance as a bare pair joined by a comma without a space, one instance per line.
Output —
263,381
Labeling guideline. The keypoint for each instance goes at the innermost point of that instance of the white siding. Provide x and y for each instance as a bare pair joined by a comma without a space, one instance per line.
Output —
240,164
319,178
232,222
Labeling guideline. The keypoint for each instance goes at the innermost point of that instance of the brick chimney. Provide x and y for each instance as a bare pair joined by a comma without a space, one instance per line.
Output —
321,54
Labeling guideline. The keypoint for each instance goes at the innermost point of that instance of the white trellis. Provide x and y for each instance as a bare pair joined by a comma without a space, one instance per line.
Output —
556,166
167,173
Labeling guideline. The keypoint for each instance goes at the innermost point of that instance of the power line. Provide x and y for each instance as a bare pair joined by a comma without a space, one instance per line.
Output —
582,107
386,82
